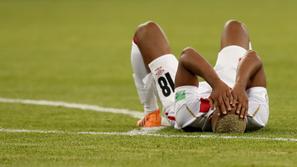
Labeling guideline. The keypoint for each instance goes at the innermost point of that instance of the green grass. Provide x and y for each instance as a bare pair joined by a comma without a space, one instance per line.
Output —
85,150
46,118
78,51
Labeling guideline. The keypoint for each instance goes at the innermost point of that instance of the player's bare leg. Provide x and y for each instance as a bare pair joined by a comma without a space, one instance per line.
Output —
234,33
159,63
250,73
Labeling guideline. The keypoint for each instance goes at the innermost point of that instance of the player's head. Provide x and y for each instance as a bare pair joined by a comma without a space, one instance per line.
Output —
230,123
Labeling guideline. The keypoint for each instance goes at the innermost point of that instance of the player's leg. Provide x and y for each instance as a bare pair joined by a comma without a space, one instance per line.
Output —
145,90
151,41
235,33
160,68
250,77
234,45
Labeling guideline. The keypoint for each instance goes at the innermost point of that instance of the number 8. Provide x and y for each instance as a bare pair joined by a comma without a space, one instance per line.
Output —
163,83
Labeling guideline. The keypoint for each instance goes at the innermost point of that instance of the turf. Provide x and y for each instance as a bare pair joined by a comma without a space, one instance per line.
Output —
78,51
51,150
46,118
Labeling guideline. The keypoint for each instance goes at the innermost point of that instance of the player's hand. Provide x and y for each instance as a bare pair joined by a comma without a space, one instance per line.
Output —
221,97
240,98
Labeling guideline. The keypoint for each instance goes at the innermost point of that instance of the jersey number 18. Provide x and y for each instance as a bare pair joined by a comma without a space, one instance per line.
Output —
166,84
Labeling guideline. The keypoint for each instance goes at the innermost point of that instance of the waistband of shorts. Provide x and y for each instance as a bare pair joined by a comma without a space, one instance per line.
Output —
233,47
257,89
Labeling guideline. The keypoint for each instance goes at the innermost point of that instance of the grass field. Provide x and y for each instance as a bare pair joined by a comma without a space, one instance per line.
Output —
78,51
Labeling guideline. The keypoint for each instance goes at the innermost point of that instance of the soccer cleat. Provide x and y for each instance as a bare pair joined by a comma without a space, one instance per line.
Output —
152,119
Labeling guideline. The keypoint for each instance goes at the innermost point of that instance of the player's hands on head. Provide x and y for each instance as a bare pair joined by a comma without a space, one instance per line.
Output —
240,98
221,97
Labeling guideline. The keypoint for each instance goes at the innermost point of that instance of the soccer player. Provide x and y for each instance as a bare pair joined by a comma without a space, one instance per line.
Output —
233,97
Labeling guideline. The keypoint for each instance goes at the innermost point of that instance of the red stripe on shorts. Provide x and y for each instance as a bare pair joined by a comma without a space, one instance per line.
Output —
204,105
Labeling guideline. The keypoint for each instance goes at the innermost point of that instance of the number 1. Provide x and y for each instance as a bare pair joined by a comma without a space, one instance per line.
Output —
163,82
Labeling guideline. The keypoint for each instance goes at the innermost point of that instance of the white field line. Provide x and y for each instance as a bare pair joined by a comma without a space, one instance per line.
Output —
144,131
135,114
151,134
131,113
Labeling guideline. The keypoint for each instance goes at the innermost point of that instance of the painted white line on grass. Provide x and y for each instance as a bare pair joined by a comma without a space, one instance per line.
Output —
144,131
135,114
131,113
150,133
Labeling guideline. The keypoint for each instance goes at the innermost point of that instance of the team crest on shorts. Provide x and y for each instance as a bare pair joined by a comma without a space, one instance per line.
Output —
180,95
159,71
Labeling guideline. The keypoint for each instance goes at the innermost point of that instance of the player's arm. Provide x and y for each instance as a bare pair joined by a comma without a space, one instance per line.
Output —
247,69
193,64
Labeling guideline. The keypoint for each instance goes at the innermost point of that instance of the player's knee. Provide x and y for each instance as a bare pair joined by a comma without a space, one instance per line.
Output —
233,24
144,29
252,53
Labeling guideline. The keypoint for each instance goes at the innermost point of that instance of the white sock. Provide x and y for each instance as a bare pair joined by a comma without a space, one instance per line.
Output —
163,70
143,81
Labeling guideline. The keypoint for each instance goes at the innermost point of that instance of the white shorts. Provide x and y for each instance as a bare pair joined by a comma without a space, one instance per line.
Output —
191,110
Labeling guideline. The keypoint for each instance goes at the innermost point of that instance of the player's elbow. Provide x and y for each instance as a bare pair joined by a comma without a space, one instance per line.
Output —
254,57
186,55
188,51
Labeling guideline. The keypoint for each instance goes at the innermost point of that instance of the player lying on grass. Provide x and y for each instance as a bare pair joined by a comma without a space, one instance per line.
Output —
233,97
